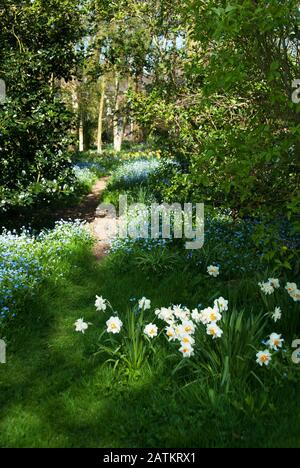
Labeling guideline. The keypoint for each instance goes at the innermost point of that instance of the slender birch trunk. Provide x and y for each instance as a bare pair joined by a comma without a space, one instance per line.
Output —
100,116
117,121
81,134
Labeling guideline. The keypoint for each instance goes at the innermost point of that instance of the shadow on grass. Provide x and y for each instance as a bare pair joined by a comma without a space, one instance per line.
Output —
53,394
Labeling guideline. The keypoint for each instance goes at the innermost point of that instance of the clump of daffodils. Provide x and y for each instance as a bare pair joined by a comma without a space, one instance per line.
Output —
274,343
293,291
181,323
269,286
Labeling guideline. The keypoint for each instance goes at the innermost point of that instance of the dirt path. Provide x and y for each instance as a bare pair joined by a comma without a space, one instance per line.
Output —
86,209
96,221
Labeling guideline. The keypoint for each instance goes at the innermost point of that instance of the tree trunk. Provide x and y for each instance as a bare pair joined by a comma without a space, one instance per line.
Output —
118,127
81,134
100,116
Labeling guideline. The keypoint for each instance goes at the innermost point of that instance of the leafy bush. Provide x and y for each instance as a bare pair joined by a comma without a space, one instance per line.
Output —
35,122
69,185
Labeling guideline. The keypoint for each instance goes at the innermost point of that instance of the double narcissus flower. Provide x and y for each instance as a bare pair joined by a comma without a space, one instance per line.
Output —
144,303
213,270
277,314
100,304
291,287
267,288
275,341
151,330
165,314
209,315
171,333
114,325
214,331
274,282
293,291
221,304
186,350
81,326
263,357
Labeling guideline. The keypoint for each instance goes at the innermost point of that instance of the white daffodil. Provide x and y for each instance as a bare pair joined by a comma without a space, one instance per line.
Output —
266,288
213,271
177,309
181,313
291,287
114,325
221,304
165,314
100,304
275,341
196,316
179,331
214,331
186,314
188,327
187,340
151,330
186,350
263,357
81,325
295,295
274,282
205,315
171,333
214,315
144,303
276,315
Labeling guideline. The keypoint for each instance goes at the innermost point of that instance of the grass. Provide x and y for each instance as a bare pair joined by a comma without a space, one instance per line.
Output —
54,393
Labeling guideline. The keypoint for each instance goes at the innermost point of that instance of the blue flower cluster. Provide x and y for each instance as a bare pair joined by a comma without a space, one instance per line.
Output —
92,166
134,172
27,260
128,244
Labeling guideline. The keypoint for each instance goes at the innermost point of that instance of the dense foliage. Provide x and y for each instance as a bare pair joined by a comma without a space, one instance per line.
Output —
37,51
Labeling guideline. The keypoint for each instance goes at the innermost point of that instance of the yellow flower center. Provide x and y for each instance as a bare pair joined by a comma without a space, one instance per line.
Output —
264,358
